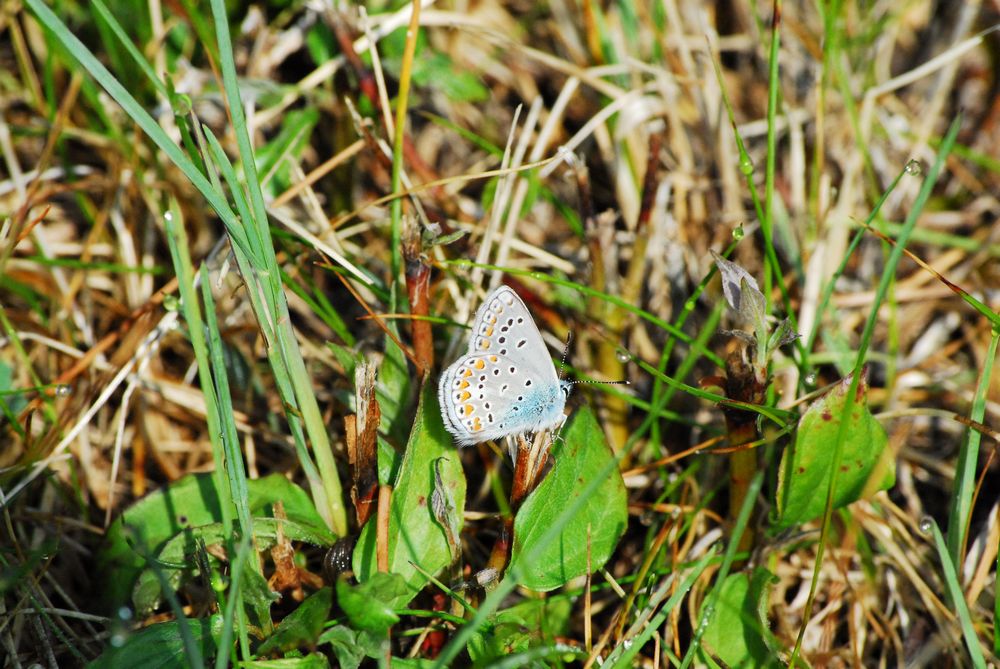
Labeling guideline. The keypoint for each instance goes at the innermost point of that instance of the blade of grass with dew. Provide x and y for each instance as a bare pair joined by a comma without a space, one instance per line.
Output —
288,348
957,597
234,465
662,394
623,654
778,416
968,457
261,306
866,336
229,472
178,243
267,266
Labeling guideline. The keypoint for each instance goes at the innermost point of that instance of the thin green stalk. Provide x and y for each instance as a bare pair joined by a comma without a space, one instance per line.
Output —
396,208
887,277
957,597
178,243
767,222
968,458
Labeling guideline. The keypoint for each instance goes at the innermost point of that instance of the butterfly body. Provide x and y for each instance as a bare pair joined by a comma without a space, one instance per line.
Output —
506,384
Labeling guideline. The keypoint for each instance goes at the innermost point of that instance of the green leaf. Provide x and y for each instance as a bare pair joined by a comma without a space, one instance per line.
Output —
866,466
738,633
415,536
532,624
370,605
192,501
311,661
302,627
160,646
176,559
352,646
580,454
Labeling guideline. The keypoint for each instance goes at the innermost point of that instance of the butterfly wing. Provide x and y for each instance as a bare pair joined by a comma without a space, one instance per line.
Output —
488,396
504,326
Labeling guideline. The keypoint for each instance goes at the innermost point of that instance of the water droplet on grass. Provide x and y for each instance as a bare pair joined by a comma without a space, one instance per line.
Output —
63,390
926,524
913,168
738,232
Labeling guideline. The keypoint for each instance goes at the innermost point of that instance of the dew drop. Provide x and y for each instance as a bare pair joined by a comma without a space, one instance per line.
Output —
118,639
647,518
171,303
125,613
622,354
810,379
63,390
913,168
168,216
182,104
926,524
690,304
706,617
218,583
738,232
538,276
746,166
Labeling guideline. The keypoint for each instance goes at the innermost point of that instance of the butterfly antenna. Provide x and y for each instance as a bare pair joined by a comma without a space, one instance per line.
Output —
623,382
562,363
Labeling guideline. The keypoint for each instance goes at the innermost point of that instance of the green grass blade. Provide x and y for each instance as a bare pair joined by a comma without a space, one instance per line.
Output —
968,458
957,597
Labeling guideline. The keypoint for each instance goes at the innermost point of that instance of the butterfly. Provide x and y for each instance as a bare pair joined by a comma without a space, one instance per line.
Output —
506,384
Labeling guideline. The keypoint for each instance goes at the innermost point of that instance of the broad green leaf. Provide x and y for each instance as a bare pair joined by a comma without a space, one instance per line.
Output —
369,606
415,536
580,453
866,465
176,557
738,633
393,390
188,502
531,624
161,646
302,627
352,646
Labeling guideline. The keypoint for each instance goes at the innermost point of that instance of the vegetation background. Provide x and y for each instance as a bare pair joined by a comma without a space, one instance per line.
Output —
173,303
